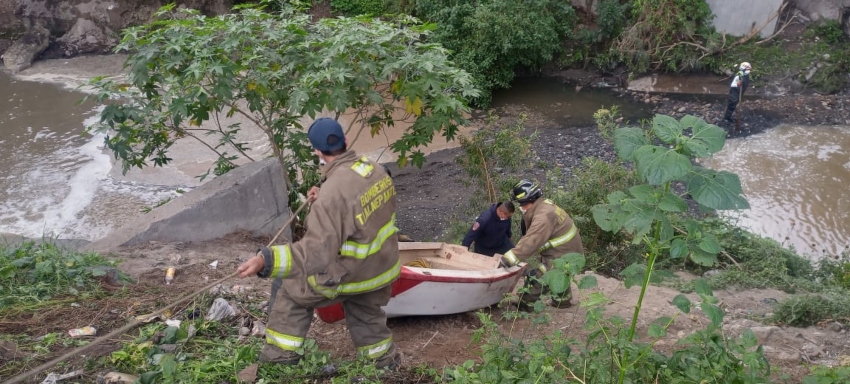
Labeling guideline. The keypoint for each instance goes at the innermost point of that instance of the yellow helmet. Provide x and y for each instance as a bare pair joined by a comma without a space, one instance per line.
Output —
745,66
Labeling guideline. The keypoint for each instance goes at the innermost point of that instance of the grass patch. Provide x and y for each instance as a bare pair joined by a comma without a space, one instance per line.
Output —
35,275
811,309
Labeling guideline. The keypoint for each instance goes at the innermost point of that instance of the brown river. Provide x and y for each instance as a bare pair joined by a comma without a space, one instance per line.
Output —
57,181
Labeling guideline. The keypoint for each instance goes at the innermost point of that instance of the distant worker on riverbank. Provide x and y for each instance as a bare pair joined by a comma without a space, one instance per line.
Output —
736,90
491,231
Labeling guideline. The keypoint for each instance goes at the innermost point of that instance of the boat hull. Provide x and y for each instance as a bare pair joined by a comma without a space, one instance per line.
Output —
436,291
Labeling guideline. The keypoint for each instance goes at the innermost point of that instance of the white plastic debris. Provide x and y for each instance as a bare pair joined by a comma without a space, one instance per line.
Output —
52,378
220,309
172,323
214,264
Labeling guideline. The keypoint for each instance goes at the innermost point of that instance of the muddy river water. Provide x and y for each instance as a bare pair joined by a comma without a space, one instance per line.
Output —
57,180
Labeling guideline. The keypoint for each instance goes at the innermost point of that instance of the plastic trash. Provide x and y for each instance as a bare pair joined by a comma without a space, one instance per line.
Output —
84,331
52,378
220,309
169,275
173,323
214,264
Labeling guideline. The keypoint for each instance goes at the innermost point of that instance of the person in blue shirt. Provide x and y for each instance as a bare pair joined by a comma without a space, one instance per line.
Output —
491,231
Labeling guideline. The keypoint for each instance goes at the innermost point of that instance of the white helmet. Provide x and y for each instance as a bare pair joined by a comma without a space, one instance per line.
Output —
745,66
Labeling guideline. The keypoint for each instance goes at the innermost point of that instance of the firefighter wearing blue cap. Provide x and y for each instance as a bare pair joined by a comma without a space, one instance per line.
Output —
349,254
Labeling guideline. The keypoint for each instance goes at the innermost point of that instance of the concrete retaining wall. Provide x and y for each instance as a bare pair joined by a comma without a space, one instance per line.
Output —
739,18
250,198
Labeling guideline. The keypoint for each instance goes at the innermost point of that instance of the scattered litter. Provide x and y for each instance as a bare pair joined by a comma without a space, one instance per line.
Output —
52,378
169,275
220,309
239,289
193,314
84,331
249,374
173,323
259,329
214,264
75,305
117,378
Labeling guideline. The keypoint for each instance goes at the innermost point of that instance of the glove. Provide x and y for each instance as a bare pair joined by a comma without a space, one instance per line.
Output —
508,260
504,262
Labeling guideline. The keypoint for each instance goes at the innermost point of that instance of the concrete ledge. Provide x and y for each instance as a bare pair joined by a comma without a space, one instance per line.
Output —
250,198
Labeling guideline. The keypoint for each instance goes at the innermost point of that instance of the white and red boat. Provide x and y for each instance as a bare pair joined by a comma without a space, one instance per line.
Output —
454,281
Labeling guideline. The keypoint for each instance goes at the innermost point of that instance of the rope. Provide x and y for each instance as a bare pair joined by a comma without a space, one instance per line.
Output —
139,319
419,263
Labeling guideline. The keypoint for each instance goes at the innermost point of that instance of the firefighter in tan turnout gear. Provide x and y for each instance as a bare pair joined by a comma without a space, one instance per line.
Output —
349,254
548,230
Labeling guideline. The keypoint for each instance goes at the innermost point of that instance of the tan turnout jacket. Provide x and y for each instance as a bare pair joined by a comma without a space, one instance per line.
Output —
551,233
351,244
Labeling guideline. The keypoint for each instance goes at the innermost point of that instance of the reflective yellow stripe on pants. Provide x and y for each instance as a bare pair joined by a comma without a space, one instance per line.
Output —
376,350
285,342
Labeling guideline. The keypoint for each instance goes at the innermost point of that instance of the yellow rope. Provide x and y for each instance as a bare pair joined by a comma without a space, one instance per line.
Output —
419,263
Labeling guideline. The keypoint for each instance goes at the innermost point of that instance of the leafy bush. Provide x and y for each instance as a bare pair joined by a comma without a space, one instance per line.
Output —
829,30
492,38
359,7
492,157
810,309
608,252
667,34
35,273
827,375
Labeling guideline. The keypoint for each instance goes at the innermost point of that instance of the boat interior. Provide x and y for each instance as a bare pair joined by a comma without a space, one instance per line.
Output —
444,256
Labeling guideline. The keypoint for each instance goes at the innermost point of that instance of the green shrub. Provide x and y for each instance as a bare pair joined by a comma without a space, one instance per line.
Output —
806,310
359,7
32,273
828,375
491,39
608,252
829,30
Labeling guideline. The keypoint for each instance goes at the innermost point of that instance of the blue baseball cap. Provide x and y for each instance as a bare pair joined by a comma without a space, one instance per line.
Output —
326,134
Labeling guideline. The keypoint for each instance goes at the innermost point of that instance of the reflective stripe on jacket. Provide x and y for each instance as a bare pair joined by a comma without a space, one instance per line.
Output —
550,232
351,243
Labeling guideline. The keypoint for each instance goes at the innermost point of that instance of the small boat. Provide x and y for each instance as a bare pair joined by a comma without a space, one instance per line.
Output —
441,279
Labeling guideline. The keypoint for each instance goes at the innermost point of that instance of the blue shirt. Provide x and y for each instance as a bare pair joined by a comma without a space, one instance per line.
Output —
489,231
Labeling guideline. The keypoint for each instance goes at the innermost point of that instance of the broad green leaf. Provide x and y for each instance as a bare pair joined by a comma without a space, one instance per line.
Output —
701,286
748,338
714,313
633,275
658,165
667,232
644,192
678,249
666,128
690,121
557,281
682,302
22,262
609,217
627,140
587,282
656,331
149,377
716,190
98,271
595,299
706,140
170,336
669,202
702,257
7,272
710,244
576,262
